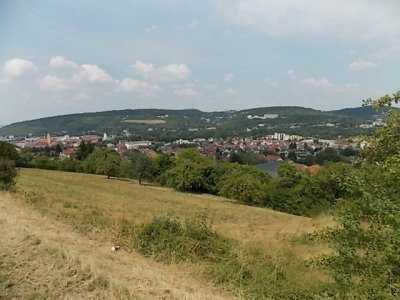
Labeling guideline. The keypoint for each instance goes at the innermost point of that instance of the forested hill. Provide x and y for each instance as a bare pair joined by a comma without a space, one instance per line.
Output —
169,124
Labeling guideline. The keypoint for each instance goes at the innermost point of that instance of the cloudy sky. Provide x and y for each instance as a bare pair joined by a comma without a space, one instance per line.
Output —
63,56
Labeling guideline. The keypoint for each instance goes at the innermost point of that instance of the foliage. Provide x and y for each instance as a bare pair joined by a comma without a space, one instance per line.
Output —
191,172
245,184
246,158
172,240
69,165
103,161
255,275
247,271
385,142
8,151
365,264
143,167
84,150
25,158
44,162
367,239
299,193
178,122
8,173
163,163
328,155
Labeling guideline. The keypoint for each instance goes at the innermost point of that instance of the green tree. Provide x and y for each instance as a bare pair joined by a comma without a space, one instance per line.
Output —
366,258
244,184
143,167
385,142
327,155
8,173
191,172
8,151
44,162
103,161
163,163
25,158
84,150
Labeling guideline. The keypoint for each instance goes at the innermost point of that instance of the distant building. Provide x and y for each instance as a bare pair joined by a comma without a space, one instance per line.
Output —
137,145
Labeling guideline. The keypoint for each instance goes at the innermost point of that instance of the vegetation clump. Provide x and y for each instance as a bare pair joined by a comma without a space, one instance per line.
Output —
8,173
170,240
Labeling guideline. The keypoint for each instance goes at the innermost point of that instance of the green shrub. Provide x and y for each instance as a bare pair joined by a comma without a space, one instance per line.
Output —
8,173
8,151
170,239
254,275
243,184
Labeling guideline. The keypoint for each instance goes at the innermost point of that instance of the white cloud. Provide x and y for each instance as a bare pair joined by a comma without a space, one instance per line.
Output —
341,18
92,74
317,82
193,24
139,86
53,83
229,77
18,67
292,74
271,82
361,65
167,73
151,28
62,62
230,91
186,92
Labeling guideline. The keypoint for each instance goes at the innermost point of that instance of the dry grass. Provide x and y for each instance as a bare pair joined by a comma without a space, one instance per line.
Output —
92,205
41,258
76,194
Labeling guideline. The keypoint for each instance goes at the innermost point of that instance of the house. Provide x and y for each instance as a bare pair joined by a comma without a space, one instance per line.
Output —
92,139
68,153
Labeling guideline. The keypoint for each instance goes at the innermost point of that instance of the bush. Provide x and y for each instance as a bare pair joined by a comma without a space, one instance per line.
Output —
244,184
8,173
44,162
8,151
254,275
170,240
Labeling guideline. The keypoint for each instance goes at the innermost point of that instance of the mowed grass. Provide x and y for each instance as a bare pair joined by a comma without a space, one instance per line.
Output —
84,196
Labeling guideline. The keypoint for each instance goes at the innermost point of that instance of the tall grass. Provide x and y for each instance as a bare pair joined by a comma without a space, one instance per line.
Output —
247,271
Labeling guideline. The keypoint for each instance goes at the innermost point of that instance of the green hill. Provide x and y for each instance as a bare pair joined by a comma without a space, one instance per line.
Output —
170,124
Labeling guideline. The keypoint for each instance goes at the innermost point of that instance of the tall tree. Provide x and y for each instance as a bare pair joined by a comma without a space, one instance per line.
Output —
84,150
143,166
8,151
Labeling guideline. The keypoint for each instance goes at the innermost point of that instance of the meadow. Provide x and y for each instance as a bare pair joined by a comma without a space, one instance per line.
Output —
93,206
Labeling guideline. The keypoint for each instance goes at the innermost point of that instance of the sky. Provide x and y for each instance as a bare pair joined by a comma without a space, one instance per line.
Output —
62,56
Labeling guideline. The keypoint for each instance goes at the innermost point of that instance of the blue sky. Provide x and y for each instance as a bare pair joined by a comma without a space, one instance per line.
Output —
60,57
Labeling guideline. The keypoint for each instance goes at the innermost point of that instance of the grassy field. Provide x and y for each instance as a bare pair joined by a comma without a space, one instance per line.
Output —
93,205
146,122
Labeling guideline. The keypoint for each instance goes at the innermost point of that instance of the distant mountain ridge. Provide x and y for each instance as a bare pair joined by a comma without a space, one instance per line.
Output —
166,123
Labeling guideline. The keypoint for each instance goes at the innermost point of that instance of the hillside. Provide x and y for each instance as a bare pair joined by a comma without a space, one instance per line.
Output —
171,124
68,220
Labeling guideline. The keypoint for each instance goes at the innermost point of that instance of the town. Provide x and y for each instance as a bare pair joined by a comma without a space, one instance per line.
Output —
265,151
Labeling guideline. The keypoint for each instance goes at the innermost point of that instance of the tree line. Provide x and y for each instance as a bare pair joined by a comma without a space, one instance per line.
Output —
292,191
